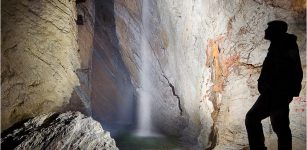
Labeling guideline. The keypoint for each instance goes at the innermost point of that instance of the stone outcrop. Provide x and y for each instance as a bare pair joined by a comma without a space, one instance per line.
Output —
45,58
70,130
38,58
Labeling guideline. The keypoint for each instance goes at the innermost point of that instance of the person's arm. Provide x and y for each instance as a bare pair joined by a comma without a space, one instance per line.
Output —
297,68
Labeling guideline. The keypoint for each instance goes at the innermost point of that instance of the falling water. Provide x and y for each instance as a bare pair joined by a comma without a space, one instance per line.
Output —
144,126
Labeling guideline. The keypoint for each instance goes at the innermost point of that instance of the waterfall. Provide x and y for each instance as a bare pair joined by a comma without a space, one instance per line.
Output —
144,125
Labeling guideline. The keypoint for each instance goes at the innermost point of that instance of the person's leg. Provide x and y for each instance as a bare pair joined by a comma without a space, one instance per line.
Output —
280,123
258,112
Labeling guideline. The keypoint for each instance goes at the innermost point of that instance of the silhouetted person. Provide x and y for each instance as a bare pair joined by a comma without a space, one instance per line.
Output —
279,81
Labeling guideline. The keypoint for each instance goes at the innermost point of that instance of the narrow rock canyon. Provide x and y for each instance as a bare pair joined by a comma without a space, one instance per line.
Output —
185,71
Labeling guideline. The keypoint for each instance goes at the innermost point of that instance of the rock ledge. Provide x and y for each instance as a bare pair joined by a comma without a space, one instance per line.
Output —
70,130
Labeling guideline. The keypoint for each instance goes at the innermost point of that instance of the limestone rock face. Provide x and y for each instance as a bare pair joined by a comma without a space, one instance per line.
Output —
80,98
38,58
70,130
206,57
168,114
237,31
112,96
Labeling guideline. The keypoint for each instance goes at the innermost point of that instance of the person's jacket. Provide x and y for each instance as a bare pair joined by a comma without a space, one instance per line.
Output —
282,70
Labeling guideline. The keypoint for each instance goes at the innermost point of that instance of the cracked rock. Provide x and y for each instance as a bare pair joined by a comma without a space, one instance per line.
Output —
70,130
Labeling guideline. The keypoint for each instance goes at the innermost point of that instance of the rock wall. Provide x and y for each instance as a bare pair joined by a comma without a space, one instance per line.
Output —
81,96
168,114
42,58
206,57
205,60
39,56
235,52
112,96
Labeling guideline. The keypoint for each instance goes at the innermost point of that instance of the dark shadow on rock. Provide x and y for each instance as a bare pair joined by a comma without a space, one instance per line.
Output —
112,96
11,142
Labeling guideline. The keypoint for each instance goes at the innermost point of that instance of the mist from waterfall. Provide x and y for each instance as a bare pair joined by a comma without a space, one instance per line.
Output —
144,124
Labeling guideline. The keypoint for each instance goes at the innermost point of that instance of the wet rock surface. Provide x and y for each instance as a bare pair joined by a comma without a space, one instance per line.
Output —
70,130
112,97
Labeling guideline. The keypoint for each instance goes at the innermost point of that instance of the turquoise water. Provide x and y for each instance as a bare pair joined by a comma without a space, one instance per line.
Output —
131,142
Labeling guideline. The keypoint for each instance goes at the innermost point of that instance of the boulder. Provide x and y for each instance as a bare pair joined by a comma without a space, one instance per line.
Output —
70,130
